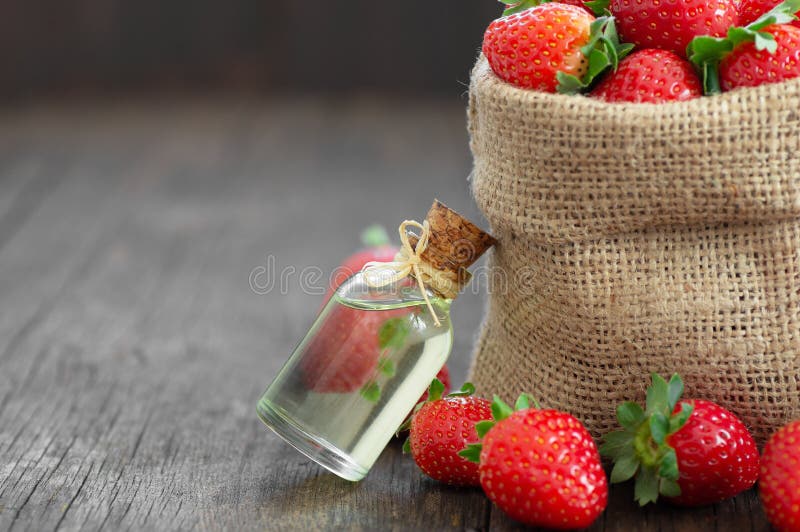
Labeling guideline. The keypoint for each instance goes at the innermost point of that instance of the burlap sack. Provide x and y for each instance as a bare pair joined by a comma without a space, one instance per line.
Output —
638,239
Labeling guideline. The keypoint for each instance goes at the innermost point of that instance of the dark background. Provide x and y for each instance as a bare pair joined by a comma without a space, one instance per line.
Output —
50,47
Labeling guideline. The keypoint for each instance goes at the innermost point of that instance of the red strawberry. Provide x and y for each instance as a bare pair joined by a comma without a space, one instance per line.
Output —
779,482
377,248
541,467
747,66
543,47
693,451
717,456
346,353
764,51
650,76
670,25
441,427
751,10
444,377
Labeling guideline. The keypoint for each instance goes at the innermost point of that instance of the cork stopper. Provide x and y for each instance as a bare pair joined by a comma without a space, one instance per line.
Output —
454,244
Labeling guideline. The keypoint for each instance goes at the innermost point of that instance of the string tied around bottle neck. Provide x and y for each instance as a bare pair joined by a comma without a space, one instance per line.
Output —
407,262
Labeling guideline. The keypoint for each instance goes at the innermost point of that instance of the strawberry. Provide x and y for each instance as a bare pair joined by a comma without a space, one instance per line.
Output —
515,6
779,481
441,427
376,248
352,350
552,47
694,452
747,66
650,76
764,51
751,10
540,466
444,377
671,25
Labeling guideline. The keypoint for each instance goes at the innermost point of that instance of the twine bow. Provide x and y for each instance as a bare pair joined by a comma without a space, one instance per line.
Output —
407,261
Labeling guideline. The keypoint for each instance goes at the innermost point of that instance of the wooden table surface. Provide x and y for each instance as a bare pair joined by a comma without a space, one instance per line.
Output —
133,347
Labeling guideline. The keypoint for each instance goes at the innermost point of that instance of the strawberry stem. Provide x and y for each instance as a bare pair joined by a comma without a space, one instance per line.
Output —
706,52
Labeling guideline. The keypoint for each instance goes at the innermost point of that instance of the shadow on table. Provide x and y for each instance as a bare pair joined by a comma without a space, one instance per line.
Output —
395,491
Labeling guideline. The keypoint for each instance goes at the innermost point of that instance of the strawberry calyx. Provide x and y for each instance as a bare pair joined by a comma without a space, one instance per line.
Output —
641,450
599,7
435,392
706,52
500,411
603,51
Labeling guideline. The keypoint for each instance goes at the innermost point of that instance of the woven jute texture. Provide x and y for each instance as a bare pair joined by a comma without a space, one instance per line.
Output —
638,238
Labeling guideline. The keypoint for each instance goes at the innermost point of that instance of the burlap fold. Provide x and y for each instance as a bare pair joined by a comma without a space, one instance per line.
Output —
639,238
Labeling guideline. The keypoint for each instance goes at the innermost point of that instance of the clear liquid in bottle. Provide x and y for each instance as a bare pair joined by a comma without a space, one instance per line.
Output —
353,379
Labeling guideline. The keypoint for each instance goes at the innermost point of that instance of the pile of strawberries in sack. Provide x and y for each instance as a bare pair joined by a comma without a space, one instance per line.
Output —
647,51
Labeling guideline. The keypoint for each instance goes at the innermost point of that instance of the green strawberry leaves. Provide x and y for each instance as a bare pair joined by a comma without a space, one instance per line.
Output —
646,488
391,335
603,51
500,411
641,450
472,452
630,415
599,7
375,236
624,469
386,367
371,391
524,402
706,52
435,390
467,389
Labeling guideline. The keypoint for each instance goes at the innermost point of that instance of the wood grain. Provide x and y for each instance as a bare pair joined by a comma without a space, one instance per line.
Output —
133,349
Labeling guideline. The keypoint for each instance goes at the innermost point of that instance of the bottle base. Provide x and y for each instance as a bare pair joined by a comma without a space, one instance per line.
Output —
317,449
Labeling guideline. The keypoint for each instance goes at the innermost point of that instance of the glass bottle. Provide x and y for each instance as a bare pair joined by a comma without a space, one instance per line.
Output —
373,350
